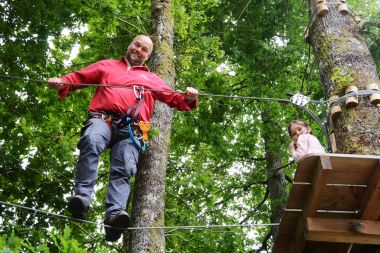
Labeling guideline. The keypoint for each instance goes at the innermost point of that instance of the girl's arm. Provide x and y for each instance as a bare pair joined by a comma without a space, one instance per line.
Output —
302,147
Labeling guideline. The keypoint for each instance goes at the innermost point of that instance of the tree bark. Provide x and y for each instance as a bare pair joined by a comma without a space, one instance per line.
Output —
148,202
276,178
344,60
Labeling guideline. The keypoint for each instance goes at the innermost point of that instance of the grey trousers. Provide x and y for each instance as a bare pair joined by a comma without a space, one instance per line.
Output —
96,136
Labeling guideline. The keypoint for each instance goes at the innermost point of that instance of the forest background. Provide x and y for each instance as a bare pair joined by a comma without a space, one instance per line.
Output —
217,169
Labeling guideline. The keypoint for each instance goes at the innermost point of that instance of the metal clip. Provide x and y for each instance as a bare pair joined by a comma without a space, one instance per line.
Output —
141,92
299,99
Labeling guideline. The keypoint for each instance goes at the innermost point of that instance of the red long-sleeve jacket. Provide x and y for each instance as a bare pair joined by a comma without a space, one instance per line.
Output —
119,100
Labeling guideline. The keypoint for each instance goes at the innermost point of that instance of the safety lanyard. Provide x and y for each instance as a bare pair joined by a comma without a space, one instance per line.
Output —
139,143
139,95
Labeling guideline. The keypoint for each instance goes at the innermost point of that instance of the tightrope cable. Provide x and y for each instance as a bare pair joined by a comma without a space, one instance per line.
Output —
322,125
157,90
59,216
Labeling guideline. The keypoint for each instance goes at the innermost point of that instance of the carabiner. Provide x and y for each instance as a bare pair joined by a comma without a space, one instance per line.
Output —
141,92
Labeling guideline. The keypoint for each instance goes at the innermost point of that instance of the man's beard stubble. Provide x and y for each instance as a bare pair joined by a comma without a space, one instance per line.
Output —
133,62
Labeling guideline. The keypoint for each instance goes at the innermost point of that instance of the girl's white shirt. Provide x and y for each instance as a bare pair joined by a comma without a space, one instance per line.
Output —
307,144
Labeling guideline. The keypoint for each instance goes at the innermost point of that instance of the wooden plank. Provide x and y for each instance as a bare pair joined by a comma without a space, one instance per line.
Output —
289,222
347,169
318,183
360,248
297,196
282,244
350,175
286,231
305,168
326,247
299,240
370,202
370,208
339,197
311,204
343,230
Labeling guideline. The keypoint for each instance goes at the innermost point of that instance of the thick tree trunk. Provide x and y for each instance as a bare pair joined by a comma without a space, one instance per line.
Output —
276,178
148,202
345,60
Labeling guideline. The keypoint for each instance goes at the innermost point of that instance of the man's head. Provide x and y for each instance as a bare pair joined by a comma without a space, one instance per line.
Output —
139,50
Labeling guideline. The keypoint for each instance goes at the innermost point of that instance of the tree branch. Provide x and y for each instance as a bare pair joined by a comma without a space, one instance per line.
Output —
257,207
264,245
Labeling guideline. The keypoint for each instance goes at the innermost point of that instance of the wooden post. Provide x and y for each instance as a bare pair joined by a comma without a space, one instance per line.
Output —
336,110
320,7
342,6
333,142
374,98
351,101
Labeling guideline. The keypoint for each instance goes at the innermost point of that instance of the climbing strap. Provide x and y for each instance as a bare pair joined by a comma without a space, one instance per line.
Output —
139,95
138,130
107,118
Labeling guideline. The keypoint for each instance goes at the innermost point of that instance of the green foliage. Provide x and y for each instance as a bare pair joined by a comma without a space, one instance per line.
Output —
66,244
368,11
62,243
217,171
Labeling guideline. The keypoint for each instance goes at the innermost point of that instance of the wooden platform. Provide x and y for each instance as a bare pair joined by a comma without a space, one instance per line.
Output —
333,206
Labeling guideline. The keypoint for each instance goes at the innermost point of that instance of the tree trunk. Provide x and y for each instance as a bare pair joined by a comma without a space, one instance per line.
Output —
148,202
344,60
276,178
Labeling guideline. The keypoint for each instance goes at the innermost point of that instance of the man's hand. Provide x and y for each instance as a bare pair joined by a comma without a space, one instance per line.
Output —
191,94
56,83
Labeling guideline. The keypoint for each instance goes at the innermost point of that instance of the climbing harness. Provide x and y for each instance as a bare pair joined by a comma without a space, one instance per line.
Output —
138,130
107,118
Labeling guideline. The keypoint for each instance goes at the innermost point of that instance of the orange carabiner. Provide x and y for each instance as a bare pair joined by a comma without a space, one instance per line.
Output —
144,126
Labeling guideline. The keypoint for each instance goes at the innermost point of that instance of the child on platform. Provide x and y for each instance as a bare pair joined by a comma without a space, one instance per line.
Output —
303,142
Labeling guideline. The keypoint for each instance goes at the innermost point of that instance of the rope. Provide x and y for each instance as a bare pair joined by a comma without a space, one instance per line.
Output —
313,115
157,90
352,94
59,216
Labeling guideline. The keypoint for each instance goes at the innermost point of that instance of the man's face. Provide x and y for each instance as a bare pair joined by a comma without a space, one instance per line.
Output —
139,50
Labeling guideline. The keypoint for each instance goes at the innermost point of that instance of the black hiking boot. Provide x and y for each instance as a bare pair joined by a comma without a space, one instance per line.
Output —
78,207
119,221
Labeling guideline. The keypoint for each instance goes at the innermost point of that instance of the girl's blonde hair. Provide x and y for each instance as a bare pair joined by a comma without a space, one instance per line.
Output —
298,122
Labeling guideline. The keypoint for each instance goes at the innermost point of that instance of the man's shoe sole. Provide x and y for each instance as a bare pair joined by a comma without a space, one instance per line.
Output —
78,208
120,223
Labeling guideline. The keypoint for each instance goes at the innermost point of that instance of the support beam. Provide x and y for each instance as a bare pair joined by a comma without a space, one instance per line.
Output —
343,230
311,205
319,181
370,202
298,242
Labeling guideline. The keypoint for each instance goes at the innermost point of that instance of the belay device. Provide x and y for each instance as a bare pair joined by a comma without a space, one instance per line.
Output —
138,130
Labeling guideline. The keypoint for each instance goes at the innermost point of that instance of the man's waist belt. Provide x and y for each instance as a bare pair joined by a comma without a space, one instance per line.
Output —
138,130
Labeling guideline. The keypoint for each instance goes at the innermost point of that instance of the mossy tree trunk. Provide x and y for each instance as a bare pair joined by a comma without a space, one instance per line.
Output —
148,202
344,60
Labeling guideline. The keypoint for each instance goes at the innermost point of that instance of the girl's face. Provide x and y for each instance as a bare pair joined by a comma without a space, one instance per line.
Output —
296,130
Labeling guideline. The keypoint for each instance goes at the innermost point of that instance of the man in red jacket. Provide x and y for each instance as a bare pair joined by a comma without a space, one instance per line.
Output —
114,116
